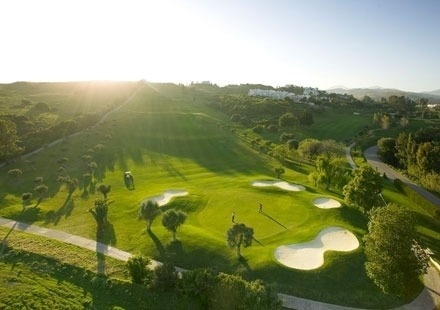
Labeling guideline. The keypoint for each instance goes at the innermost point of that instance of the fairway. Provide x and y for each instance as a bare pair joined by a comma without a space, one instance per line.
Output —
184,154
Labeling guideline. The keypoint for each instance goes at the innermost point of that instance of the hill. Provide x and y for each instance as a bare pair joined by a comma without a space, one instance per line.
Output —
378,93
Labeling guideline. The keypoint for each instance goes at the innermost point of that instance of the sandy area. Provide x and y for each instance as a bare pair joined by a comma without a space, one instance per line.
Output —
281,184
167,196
310,255
326,203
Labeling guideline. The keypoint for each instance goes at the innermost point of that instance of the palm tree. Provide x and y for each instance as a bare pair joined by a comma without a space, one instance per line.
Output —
148,211
99,212
239,234
104,190
172,219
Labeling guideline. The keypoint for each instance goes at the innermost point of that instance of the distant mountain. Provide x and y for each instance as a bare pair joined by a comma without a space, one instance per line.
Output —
377,93
434,92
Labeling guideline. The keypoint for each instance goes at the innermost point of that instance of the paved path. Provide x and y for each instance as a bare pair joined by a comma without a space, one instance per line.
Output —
373,159
426,300
348,155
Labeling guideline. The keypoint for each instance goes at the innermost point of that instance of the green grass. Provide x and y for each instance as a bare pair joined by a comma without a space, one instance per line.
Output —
169,141
39,273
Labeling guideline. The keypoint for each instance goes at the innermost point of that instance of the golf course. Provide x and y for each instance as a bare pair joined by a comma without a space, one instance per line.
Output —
185,154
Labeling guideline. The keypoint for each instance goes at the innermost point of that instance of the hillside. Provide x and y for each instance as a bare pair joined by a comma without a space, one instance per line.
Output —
180,138
378,93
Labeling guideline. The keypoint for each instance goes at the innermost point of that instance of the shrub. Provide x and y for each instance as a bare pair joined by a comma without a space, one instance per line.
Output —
165,277
138,269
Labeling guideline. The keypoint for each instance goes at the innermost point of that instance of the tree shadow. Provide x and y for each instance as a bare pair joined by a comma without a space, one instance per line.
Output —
65,210
271,218
243,262
109,236
159,246
100,261
104,237
253,238
174,250
28,215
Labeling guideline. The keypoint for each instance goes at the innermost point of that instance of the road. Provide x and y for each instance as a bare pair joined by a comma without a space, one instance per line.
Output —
373,159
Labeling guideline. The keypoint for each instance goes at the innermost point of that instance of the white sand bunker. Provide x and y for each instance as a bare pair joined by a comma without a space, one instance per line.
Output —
167,196
310,255
326,203
281,184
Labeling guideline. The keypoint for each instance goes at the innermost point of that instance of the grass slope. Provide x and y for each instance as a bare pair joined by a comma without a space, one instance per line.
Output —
168,140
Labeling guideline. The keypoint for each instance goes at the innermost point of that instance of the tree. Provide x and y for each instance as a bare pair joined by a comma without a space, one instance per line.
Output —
363,189
239,234
233,292
41,190
172,219
309,148
387,150
148,211
423,106
99,212
330,171
199,284
394,260
427,156
287,119
26,198
104,190
8,140
15,173
279,172
305,117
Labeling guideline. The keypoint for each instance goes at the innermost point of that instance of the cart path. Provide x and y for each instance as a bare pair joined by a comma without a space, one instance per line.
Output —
374,160
428,299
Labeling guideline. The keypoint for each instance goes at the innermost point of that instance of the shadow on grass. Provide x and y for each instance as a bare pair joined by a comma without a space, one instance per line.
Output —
158,244
64,211
174,250
271,218
90,290
244,263
253,238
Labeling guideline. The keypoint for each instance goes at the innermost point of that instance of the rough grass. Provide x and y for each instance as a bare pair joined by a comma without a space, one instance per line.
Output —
39,273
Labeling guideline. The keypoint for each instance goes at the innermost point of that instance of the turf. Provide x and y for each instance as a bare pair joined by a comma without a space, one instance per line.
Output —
168,140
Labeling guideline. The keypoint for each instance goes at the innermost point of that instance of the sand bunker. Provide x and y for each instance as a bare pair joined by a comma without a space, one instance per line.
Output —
281,184
167,196
326,203
310,255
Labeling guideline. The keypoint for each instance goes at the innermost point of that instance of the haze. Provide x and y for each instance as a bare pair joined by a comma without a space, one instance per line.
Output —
392,44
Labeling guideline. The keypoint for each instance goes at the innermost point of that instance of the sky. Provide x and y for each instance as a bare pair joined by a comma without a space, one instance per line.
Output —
315,43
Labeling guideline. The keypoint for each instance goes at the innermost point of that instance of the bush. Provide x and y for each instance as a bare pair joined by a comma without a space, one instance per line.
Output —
165,277
198,284
138,269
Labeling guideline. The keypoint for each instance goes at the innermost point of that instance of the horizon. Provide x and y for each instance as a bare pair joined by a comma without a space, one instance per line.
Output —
320,44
